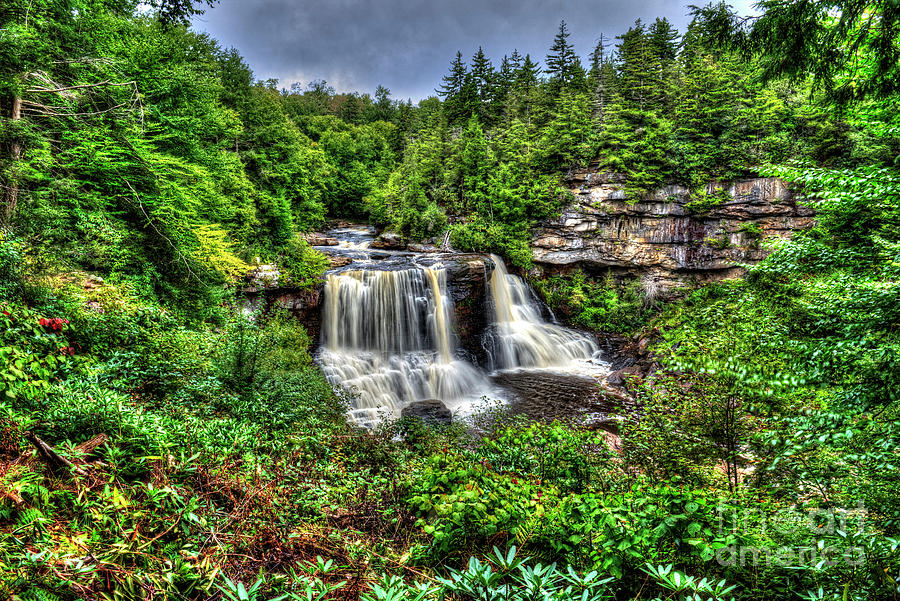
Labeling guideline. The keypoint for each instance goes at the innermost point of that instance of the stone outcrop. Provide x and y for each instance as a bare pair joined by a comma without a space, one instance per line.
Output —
660,239
389,241
320,239
264,290
432,411
467,279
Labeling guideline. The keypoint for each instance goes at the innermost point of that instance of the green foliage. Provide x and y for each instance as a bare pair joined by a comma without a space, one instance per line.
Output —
702,201
12,280
33,350
301,265
598,304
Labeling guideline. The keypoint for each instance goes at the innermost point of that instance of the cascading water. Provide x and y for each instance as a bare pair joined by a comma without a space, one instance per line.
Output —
387,337
520,338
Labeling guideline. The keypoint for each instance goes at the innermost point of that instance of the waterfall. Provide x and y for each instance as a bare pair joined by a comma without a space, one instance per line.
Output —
387,337
520,338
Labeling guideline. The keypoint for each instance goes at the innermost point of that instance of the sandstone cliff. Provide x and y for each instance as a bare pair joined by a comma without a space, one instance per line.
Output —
661,239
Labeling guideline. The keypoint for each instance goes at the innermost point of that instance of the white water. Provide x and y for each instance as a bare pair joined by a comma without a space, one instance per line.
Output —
387,338
521,338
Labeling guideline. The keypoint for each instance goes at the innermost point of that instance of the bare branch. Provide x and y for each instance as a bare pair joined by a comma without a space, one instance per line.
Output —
81,87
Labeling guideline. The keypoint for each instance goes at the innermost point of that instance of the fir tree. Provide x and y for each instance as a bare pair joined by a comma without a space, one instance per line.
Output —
458,91
563,65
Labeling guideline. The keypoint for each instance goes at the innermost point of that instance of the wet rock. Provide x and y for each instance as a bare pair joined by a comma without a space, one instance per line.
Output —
301,304
430,411
389,241
423,248
339,260
547,396
620,376
467,278
320,239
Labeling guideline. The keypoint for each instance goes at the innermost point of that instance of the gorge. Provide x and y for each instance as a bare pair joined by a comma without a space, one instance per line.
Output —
400,323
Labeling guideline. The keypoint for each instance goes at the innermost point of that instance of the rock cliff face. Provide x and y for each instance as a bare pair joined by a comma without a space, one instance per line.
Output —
467,284
660,239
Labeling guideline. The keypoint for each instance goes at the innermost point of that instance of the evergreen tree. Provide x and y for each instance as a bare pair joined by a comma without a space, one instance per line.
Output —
635,66
482,76
601,80
475,167
383,107
662,40
503,83
526,84
458,91
563,65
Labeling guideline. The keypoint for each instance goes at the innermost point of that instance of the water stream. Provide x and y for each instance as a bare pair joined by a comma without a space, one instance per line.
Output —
388,335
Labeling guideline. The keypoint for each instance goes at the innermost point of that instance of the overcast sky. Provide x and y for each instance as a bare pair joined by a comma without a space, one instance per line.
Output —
407,45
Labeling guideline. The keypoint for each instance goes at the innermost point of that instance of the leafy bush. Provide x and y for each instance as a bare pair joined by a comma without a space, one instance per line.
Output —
12,281
467,504
702,202
508,241
572,460
599,305
302,266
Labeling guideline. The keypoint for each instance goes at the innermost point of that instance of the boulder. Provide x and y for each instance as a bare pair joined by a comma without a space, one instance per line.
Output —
339,260
618,377
263,277
389,241
430,411
423,248
319,239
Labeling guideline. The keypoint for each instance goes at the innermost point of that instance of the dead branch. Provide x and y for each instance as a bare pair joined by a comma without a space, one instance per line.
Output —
51,456
43,110
56,90
51,87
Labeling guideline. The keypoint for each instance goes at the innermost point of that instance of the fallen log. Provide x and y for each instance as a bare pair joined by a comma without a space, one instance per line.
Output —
88,447
52,457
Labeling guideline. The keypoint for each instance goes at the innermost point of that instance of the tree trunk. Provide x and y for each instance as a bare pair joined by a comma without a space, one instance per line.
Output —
12,187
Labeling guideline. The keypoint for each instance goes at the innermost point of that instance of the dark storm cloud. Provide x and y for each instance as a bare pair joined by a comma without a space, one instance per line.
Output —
407,45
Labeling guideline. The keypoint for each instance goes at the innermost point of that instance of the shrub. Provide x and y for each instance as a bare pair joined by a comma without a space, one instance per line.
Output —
302,265
703,202
599,305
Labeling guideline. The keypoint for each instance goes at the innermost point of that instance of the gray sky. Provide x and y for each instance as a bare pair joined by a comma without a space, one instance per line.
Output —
407,45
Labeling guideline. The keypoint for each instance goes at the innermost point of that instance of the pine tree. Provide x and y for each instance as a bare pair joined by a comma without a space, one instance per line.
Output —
563,65
383,105
635,66
601,80
503,84
482,74
475,166
527,80
662,40
458,91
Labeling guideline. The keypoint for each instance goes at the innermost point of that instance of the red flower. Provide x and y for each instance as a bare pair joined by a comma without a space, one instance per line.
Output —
43,322
6,313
